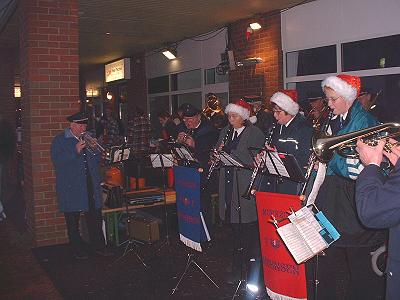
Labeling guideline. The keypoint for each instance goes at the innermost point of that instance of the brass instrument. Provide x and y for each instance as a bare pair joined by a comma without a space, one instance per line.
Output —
313,157
92,144
345,144
268,142
213,106
316,122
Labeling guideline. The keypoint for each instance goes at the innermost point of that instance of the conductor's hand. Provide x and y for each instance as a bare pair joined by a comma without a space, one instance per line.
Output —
79,146
370,154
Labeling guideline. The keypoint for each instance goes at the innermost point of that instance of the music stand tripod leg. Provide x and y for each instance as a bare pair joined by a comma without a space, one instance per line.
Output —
190,261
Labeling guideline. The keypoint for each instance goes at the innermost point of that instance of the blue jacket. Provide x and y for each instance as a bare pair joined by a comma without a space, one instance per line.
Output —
71,186
378,206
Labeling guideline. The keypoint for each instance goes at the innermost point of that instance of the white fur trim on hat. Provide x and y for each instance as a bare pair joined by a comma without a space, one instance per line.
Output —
240,110
341,87
253,119
285,102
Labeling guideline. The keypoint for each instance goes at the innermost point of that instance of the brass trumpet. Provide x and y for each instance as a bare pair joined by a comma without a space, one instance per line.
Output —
345,144
92,144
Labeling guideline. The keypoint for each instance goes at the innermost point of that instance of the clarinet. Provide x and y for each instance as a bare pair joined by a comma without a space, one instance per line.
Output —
268,142
215,161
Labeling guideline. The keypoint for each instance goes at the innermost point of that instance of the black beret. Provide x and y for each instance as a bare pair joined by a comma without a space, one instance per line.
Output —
79,117
189,110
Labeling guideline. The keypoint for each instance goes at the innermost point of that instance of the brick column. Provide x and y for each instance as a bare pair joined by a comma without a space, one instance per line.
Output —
50,87
261,79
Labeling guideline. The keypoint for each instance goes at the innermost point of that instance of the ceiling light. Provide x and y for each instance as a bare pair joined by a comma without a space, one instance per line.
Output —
255,26
169,54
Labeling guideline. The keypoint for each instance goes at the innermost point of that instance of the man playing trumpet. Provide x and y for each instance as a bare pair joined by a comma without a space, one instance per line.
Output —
78,186
378,203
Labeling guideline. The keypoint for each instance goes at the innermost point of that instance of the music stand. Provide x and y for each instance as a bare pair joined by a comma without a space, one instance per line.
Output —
183,154
191,260
230,161
160,160
119,154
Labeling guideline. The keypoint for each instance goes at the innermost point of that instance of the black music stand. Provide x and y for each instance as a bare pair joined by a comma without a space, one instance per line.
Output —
119,155
163,161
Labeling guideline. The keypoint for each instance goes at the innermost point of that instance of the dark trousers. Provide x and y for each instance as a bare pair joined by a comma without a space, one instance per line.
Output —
345,273
94,223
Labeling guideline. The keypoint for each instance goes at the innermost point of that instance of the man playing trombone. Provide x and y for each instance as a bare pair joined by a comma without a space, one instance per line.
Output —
336,199
378,204
78,186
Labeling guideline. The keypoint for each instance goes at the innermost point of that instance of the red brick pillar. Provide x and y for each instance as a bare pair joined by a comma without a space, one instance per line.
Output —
261,79
49,65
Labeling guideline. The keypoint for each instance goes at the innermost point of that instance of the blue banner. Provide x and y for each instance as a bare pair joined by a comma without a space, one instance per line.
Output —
192,228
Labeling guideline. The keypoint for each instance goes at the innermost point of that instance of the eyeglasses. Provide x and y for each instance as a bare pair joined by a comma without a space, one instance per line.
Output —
277,111
327,99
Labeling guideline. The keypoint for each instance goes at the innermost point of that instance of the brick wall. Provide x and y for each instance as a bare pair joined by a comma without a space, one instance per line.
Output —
48,34
261,79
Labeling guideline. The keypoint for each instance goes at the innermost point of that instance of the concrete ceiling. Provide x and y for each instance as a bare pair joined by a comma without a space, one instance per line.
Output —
116,28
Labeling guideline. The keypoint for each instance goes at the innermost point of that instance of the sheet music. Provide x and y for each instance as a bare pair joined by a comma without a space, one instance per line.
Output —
278,164
117,155
228,160
156,160
309,228
295,243
184,153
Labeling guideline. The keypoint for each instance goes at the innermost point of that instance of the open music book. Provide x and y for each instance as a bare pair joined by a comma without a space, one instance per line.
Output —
307,234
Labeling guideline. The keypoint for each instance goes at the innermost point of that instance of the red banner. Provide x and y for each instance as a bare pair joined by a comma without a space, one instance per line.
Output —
283,277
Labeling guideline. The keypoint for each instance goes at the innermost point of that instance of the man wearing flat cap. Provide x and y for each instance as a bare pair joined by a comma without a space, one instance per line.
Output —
78,186
201,137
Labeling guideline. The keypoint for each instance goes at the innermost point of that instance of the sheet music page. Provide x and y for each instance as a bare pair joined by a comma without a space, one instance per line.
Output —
295,243
156,161
279,165
309,228
268,164
186,154
117,155
228,160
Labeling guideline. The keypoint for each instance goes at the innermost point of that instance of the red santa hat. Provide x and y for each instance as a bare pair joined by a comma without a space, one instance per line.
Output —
241,107
347,86
287,100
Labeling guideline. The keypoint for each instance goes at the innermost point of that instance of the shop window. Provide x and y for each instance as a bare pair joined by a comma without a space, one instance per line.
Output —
311,61
192,98
186,80
371,54
158,85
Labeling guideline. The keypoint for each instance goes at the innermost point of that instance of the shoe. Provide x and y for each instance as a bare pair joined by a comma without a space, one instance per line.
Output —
103,252
80,255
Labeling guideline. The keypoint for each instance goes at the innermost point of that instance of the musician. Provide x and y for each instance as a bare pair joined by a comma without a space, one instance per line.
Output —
168,126
110,129
234,181
291,135
262,119
214,113
336,199
78,186
201,137
378,204
318,114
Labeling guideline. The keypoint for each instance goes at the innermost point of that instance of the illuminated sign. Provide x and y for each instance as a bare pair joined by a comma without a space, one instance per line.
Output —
92,93
120,69
17,91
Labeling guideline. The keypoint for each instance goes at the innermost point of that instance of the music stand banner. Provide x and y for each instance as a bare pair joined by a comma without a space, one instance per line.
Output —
192,228
283,277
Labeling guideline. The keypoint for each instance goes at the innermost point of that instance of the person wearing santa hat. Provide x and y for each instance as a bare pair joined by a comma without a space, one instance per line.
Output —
336,199
235,139
292,134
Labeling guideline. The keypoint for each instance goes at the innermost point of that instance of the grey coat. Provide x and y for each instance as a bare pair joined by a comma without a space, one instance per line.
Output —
250,137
